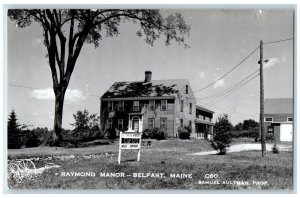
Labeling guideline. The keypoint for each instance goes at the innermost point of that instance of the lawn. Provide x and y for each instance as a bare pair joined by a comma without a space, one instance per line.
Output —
170,159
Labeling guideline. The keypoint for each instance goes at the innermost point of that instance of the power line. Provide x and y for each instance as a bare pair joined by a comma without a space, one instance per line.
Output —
234,112
232,91
278,41
228,89
34,88
232,69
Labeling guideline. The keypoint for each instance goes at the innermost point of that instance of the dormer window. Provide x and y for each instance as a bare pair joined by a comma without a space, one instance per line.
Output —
186,89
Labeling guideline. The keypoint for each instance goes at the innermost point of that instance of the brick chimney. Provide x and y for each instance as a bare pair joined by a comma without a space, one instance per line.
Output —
148,75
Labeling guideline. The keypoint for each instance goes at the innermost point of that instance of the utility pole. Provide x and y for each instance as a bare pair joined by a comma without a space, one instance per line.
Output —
261,115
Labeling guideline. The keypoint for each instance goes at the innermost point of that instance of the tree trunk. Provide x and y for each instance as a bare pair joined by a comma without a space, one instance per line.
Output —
57,129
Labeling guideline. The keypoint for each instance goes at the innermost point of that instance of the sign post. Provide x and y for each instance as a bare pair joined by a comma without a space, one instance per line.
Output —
130,140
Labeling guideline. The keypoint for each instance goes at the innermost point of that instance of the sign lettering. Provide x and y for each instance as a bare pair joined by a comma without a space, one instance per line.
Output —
130,140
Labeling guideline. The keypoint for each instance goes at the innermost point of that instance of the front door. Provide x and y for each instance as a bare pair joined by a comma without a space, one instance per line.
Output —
135,125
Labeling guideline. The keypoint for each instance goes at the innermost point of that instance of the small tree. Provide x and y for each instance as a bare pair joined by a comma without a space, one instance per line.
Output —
184,132
14,132
85,121
222,137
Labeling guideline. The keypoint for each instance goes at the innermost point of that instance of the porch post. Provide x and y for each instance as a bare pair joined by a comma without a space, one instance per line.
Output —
129,125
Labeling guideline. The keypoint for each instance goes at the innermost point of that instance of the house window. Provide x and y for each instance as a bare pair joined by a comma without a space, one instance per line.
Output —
151,105
181,122
110,105
163,123
181,105
191,105
270,130
121,105
135,105
151,123
109,123
190,124
163,106
290,119
186,89
120,124
269,119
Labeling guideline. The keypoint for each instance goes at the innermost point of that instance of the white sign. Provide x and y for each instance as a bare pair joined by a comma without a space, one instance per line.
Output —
130,140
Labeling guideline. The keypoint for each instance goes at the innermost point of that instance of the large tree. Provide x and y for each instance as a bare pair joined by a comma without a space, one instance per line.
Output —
65,31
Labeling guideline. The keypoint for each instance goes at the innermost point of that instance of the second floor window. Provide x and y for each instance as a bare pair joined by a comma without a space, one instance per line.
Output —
186,89
151,105
110,106
191,106
151,123
163,105
121,105
136,105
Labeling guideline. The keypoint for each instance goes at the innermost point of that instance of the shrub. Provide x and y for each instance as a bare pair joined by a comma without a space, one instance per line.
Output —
160,134
222,137
37,136
184,132
146,134
112,134
155,133
214,144
275,148
245,133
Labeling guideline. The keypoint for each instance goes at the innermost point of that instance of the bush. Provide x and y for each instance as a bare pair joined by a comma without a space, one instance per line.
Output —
214,144
154,133
275,148
146,134
160,134
222,136
112,134
184,132
37,137
245,133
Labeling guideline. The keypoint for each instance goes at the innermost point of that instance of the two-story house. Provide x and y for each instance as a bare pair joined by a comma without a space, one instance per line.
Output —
166,104
278,118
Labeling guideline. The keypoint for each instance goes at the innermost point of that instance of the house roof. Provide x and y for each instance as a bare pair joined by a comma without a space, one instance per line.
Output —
204,109
155,88
279,106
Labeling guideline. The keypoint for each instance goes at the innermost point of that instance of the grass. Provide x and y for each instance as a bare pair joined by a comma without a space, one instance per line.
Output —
167,156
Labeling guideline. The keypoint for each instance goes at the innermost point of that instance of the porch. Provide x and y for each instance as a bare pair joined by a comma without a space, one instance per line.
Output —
204,129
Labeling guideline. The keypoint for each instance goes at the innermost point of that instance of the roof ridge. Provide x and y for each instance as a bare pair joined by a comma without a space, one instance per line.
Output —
152,80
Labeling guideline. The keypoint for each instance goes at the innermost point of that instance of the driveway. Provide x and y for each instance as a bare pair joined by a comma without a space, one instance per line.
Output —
247,147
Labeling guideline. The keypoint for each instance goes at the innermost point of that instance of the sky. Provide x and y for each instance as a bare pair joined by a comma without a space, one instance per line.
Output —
218,40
